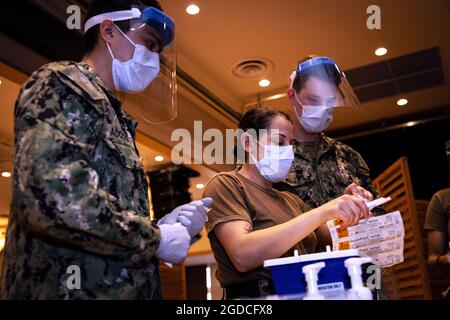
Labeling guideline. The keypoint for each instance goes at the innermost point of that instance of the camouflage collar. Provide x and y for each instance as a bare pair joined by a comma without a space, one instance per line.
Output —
132,123
93,73
325,144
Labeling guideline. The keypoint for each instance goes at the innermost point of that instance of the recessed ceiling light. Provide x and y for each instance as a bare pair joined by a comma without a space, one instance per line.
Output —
200,186
159,158
411,123
381,52
6,174
193,9
264,83
402,102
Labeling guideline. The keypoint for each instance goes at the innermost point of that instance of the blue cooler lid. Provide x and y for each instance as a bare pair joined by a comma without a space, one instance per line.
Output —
321,256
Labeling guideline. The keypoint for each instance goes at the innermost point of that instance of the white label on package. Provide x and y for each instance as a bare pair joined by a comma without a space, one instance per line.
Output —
380,238
333,291
373,237
388,259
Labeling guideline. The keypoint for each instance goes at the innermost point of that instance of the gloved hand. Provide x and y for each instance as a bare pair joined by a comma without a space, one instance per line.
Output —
174,244
193,215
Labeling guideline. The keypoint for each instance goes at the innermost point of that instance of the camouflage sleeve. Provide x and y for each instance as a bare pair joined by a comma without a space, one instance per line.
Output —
363,174
56,189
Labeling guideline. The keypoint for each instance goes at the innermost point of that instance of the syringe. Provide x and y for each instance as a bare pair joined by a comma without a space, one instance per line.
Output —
378,202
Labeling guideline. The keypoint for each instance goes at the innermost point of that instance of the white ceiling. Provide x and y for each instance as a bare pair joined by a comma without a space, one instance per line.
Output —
225,32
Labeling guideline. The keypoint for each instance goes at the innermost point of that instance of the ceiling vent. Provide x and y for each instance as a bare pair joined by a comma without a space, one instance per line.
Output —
252,68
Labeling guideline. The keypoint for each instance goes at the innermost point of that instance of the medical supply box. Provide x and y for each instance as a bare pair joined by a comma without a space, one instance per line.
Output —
288,278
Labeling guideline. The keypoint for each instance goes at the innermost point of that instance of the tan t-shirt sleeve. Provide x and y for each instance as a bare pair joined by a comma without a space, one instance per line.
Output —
436,218
303,206
228,201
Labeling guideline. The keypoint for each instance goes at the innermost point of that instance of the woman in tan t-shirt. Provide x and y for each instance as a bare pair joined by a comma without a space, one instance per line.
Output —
251,222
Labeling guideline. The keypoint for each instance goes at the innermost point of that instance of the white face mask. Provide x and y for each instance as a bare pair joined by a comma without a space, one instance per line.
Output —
135,75
314,119
277,162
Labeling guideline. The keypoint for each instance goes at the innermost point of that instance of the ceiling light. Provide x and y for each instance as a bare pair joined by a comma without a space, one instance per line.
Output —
200,186
0,82
193,9
411,123
6,174
381,52
159,158
402,102
264,83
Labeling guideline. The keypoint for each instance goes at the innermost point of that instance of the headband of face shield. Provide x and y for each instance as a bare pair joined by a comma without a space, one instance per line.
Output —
329,85
147,81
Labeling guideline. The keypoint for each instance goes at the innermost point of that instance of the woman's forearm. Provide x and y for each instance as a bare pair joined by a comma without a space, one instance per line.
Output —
273,242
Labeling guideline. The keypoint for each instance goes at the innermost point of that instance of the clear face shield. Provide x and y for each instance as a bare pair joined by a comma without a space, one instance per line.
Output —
148,80
320,86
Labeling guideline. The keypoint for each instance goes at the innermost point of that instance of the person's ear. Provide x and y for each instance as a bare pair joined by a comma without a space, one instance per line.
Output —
291,95
107,31
245,142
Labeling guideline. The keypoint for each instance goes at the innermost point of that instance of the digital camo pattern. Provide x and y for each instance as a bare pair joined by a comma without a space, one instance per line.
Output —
79,194
317,180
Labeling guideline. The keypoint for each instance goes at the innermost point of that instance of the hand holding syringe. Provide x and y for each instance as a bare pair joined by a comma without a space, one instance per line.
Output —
358,191
343,222
192,216
378,202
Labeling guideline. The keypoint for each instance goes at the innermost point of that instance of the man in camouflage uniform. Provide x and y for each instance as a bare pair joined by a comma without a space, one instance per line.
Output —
80,194
323,168
324,171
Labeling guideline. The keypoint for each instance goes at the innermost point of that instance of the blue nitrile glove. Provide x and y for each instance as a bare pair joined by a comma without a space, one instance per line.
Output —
174,244
192,215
